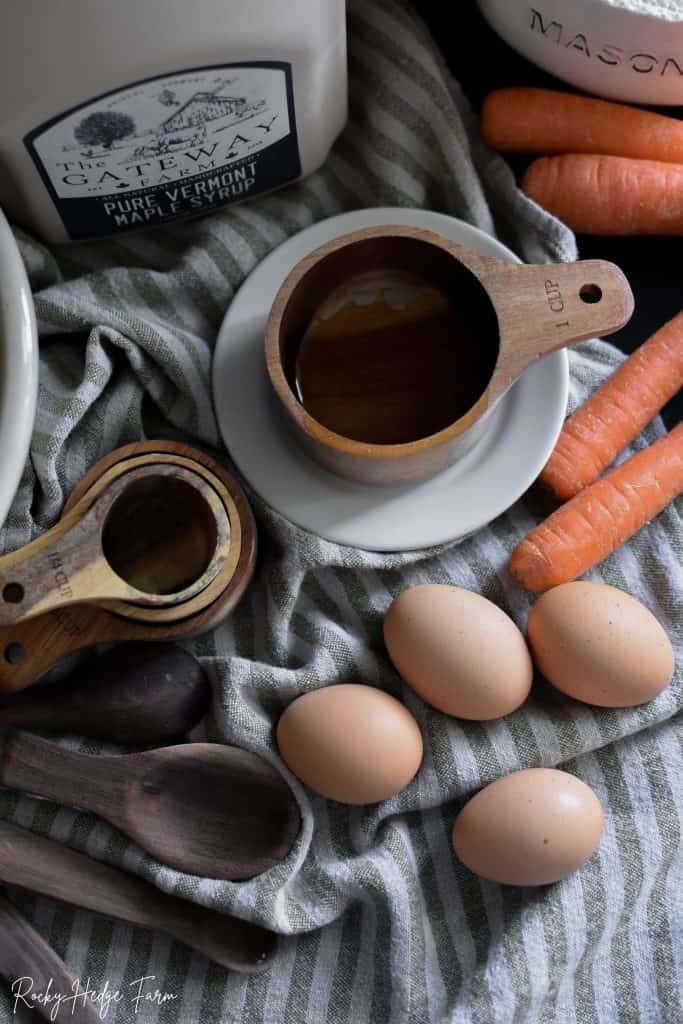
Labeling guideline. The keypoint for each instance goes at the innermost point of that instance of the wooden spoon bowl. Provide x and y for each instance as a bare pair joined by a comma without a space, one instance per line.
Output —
204,808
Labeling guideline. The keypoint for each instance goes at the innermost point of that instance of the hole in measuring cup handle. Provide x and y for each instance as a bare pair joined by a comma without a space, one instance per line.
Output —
590,293
14,653
13,593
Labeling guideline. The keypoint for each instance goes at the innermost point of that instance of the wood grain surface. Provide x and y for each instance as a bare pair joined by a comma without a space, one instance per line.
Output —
31,966
136,693
203,808
513,314
29,650
216,586
157,536
42,865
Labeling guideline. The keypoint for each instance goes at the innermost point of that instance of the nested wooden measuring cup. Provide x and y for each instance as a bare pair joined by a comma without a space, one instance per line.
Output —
157,536
33,643
389,347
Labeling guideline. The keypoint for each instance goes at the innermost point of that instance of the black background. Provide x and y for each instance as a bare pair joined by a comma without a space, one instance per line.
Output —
481,61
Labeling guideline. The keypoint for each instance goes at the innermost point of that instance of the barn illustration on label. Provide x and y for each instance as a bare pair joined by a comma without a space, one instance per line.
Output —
103,131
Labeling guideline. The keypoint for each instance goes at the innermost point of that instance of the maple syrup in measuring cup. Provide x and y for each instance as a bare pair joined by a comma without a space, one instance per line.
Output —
116,117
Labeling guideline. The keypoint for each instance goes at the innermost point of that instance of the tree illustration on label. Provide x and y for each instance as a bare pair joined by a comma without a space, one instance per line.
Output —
168,98
104,128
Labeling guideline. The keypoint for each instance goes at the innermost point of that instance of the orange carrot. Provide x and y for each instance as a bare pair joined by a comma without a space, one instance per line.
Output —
609,195
613,415
591,525
523,120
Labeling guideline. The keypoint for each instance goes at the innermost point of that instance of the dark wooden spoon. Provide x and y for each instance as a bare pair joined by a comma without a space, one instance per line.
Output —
136,693
32,967
203,808
43,865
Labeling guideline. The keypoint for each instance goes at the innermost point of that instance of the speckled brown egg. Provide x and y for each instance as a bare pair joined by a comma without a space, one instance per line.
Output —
351,743
532,827
458,651
599,645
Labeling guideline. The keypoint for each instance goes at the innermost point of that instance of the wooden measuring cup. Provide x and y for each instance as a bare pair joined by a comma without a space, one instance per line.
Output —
155,537
30,648
387,348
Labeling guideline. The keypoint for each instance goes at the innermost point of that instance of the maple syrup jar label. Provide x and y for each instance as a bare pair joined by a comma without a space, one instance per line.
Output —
169,146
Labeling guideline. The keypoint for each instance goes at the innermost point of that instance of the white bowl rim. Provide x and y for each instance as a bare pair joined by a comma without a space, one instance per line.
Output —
18,367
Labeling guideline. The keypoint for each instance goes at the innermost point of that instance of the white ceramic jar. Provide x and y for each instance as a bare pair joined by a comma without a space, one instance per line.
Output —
119,116
614,48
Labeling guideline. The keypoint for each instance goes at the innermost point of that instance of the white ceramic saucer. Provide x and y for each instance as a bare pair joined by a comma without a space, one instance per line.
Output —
521,434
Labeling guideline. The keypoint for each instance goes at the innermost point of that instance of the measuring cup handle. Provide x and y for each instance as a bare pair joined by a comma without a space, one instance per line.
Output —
30,649
542,308
33,647
64,566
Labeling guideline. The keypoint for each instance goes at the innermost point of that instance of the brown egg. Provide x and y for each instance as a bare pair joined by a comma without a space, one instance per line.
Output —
460,652
529,828
599,645
351,743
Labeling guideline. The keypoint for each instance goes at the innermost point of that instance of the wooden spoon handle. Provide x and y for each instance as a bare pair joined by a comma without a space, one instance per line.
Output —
43,865
34,765
544,308
32,968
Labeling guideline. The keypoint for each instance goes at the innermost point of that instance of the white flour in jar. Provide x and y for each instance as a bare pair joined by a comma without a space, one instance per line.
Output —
667,10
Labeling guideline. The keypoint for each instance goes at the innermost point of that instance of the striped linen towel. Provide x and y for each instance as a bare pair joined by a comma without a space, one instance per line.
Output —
380,922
